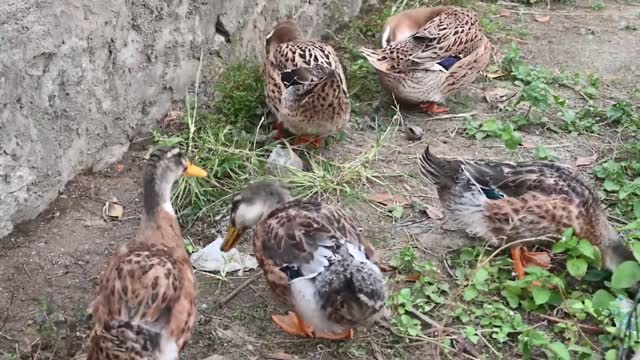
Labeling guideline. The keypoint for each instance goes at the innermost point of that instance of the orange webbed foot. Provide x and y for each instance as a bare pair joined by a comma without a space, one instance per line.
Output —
313,141
523,258
293,324
433,108
282,132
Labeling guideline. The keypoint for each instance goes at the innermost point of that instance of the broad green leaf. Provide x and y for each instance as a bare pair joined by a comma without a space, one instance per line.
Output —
560,350
567,234
560,246
481,275
540,294
470,293
512,298
636,250
577,267
612,354
586,249
601,300
471,334
611,186
626,275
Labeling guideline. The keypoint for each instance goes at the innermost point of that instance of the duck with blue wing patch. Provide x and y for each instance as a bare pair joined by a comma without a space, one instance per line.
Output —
305,86
429,54
314,259
505,202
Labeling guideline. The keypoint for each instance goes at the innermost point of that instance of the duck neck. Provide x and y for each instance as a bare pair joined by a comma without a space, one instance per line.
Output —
157,195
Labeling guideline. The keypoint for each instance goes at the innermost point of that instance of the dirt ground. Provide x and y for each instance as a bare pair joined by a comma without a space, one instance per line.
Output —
48,267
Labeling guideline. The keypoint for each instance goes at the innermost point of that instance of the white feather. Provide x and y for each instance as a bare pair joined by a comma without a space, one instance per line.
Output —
168,208
307,305
385,36
168,348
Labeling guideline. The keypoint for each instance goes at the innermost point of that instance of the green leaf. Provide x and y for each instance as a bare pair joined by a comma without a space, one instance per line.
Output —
601,300
636,250
481,275
611,186
512,140
586,249
560,350
470,293
512,298
560,246
540,294
577,267
396,211
626,275
567,234
612,354
471,334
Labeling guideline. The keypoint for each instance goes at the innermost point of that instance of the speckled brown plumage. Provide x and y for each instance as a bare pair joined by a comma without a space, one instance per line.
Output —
290,233
316,103
314,258
504,202
145,306
410,68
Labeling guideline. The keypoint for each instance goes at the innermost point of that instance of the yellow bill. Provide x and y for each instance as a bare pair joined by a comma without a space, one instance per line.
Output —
193,170
233,235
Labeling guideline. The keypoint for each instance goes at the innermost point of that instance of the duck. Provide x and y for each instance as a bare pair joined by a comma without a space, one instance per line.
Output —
145,304
305,86
429,54
504,202
314,259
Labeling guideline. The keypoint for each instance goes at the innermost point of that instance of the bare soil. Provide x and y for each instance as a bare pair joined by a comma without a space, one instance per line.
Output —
48,267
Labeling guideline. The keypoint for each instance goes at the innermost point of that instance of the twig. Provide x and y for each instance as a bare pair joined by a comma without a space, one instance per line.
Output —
552,13
377,354
451,116
617,219
577,91
425,318
572,321
465,345
6,337
6,315
238,289
488,344
541,238
588,328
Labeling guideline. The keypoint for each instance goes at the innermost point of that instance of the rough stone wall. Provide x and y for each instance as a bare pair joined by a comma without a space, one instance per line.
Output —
80,79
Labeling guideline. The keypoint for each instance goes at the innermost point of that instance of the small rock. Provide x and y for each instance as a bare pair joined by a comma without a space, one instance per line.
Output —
414,133
282,160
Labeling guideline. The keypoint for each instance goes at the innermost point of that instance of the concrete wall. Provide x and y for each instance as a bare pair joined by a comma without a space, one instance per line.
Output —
79,79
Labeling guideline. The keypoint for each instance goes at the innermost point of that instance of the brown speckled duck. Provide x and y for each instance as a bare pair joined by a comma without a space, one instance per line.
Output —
145,306
429,54
314,258
305,86
506,202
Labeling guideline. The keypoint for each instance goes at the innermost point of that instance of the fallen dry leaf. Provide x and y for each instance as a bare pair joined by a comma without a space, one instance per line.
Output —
112,210
504,13
586,160
542,18
498,96
434,213
119,168
281,356
388,199
528,145
413,277
495,75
